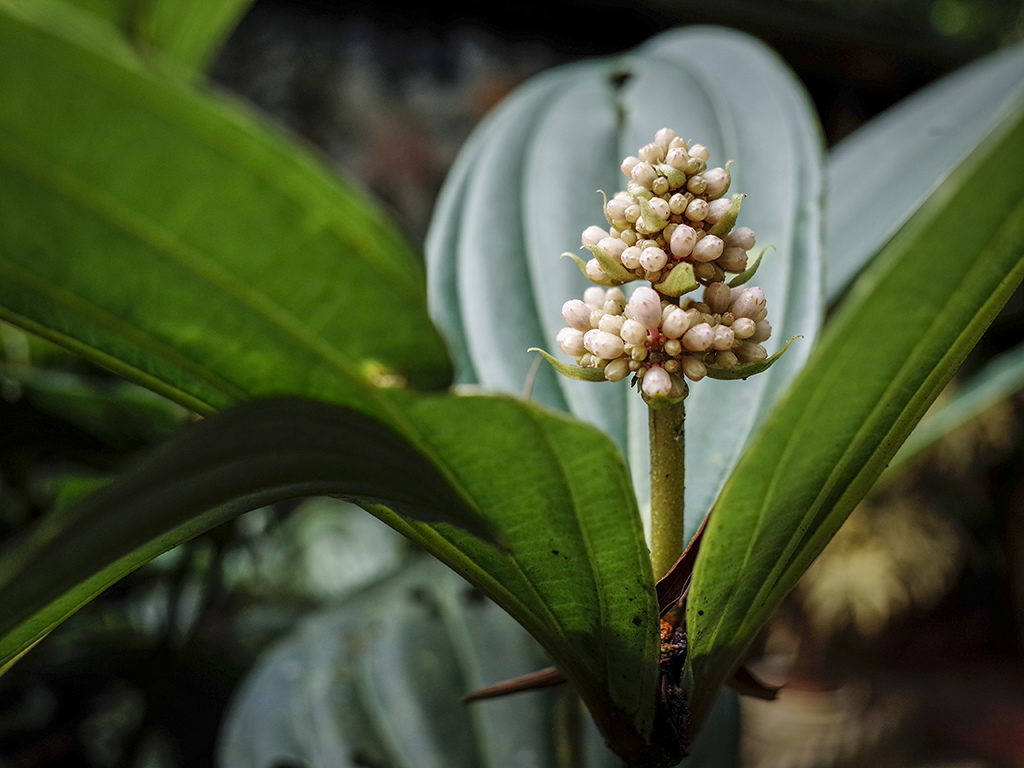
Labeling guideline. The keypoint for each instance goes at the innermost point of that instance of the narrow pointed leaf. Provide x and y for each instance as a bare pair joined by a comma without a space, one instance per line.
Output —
881,174
524,189
904,329
180,242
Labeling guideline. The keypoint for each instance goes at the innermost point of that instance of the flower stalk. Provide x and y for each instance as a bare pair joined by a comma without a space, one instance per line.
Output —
668,483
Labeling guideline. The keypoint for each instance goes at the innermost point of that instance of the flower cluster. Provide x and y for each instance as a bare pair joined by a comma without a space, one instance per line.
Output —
673,228
660,342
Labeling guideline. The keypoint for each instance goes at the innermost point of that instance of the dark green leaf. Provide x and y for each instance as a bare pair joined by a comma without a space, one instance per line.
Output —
902,332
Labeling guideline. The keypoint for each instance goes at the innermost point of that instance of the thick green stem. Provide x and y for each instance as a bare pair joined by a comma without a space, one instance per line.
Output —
668,477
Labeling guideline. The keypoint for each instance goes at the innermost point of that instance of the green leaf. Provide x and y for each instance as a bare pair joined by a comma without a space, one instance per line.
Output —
881,174
249,456
181,243
524,188
186,31
902,332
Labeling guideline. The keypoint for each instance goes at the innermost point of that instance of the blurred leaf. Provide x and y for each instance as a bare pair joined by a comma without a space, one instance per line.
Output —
904,329
250,456
379,679
179,242
187,31
881,175
523,189
1001,377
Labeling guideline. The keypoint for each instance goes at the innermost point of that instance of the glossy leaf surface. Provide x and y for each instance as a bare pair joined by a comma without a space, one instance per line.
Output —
147,226
902,332
524,188
881,174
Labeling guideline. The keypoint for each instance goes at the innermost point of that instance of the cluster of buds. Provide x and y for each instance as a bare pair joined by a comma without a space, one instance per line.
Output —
672,225
673,228
660,342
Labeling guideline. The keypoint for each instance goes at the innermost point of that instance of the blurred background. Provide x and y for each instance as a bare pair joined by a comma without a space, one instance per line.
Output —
901,647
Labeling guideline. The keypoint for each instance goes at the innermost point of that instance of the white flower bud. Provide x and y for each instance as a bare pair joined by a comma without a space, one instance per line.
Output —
733,259
694,369
699,151
616,295
645,307
717,209
717,180
617,370
652,153
612,246
653,259
663,137
643,174
616,208
723,337
717,295
593,297
673,348
708,248
683,239
762,332
570,341
595,273
576,314
696,184
631,257
697,210
633,332
660,207
613,306
743,237
656,381
611,324
592,235
677,157
699,337
676,323
750,353
660,186
595,317
628,165
748,301
677,203
632,213
606,346
743,327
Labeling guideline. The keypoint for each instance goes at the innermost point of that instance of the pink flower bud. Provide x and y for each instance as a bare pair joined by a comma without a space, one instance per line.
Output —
717,209
676,323
697,210
743,237
645,307
656,381
708,248
606,346
698,338
628,165
743,327
683,239
570,341
592,235
733,259
633,332
593,297
748,301
576,314
717,180
653,259
723,338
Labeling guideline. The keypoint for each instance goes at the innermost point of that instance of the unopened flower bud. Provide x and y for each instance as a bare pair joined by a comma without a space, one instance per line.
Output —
677,157
612,246
656,381
652,153
716,182
750,353
660,207
643,174
717,209
676,323
634,332
631,257
627,165
664,137
699,151
570,341
748,301
593,297
743,327
726,358
697,210
708,248
592,235
576,314
653,259
595,273
684,237
611,323
741,237
717,296
733,259
699,337
762,332
606,346
645,307
694,369
614,210
723,337
696,184
617,370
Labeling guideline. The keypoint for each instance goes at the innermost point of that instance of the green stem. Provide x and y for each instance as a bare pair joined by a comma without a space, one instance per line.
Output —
668,478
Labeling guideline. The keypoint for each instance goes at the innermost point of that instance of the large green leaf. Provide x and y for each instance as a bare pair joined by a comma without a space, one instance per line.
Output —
903,330
524,188
180,242
881,174
187,31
